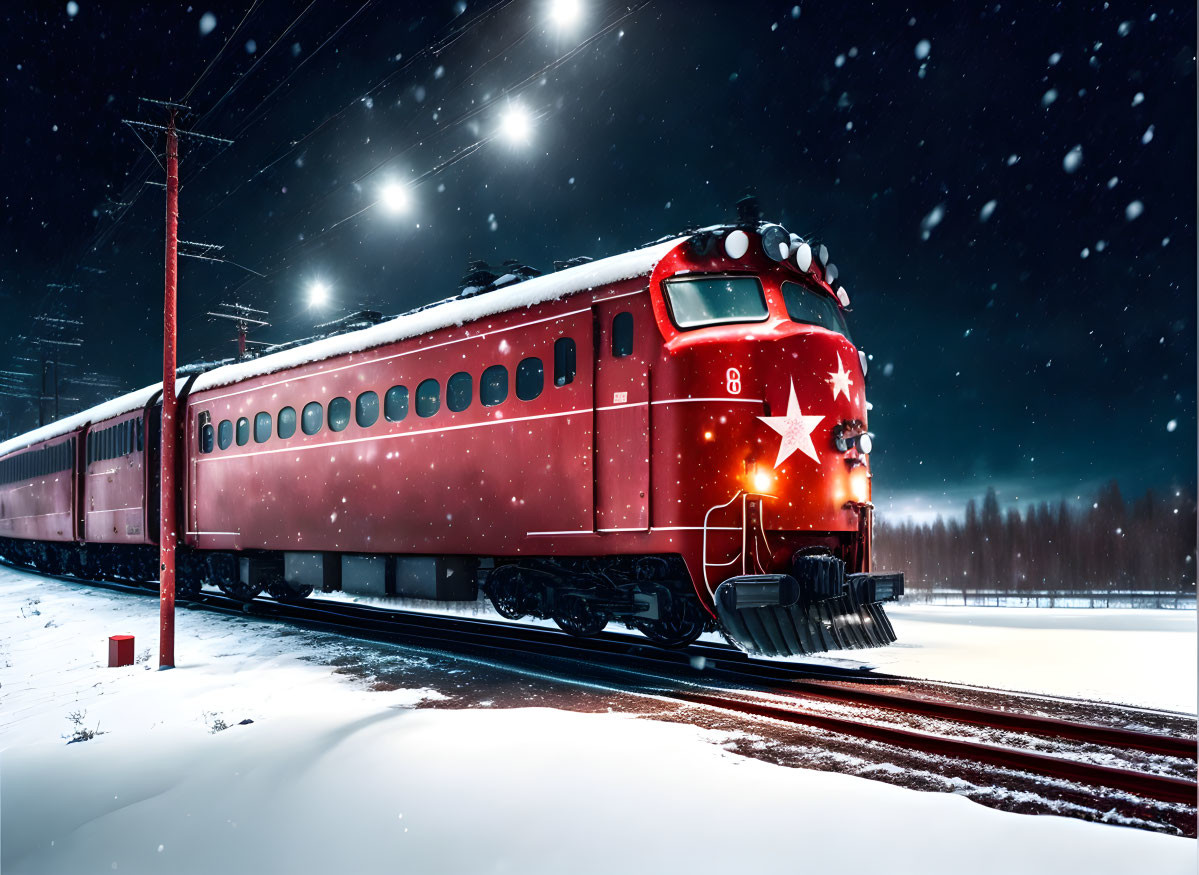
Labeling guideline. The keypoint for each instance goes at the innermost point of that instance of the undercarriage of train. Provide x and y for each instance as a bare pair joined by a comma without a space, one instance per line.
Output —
815,608
652,594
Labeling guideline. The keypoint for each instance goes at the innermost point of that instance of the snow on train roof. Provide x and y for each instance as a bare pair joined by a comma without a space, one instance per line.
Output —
458,311
134,400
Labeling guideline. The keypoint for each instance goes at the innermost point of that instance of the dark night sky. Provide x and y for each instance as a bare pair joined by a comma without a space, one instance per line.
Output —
1042,350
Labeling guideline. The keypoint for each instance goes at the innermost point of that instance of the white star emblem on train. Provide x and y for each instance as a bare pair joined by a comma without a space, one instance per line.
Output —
840,380
796,430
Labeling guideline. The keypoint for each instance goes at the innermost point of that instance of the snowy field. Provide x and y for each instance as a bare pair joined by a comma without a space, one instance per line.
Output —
336,774
1134,657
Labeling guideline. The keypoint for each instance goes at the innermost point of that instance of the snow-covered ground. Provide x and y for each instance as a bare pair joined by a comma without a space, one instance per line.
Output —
1135,657
338,775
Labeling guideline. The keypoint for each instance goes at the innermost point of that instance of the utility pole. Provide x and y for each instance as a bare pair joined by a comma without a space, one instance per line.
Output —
239,315
166,479
167,536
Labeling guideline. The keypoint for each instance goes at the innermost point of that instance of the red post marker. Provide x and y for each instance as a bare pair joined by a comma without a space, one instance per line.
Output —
166,529
120,650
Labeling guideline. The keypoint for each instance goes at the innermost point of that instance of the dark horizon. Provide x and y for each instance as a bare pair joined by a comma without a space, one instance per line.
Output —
1009,194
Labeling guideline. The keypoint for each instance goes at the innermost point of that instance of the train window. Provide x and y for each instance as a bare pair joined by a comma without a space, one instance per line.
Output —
564,361
206,439
428,398
262,427
366,409
224,434
395,403
458,391
312,418
141,436
493,386
91,448
530,379
702,301
287,422
339,413
243,431
622,335
811,307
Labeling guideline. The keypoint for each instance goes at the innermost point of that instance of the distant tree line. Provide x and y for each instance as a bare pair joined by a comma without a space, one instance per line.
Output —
1109,545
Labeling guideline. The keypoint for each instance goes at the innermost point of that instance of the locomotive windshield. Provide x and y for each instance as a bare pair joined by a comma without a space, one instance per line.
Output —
716,300
814,308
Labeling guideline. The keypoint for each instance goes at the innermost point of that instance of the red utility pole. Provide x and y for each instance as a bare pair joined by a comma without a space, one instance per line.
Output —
169,432
166,478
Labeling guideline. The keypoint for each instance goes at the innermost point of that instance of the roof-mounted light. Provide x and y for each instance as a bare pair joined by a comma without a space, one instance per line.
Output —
736,244
776,242
843,296
803,257
831,273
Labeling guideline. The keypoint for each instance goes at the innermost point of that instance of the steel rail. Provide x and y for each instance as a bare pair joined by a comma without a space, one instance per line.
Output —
1162,788
728,664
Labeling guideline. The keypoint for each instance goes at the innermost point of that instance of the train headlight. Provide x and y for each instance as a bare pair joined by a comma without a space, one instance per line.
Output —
761,480
859,485
776,242
736,244
865,444
803,257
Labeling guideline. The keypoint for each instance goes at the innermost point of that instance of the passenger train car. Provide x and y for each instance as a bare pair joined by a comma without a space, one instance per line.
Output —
674,439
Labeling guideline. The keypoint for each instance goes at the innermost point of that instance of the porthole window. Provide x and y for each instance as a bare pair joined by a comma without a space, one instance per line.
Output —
206,439
262,428
339,414
493,386
622,335
458,391
428,398
530,379
366,409
395,403
312,418
243,432
224,434
287,422
564,361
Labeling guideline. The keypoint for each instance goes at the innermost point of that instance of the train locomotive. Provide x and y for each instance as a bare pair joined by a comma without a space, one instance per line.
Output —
674,438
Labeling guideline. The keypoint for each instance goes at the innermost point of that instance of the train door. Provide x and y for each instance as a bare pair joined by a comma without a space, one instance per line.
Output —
622,338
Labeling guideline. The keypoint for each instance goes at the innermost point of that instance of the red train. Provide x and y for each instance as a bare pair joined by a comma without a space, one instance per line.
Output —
674,438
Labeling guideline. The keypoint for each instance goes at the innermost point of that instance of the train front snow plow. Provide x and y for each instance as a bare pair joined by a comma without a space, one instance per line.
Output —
817,607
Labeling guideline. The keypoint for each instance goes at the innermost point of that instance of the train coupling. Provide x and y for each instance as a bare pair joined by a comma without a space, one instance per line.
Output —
815,609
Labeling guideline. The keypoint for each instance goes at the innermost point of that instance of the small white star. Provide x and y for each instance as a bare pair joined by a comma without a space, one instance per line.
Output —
796,430
840,380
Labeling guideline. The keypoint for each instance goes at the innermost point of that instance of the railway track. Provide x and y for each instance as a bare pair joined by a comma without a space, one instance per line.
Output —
724,679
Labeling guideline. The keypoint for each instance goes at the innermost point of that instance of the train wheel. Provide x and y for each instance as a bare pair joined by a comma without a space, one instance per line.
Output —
227,572
235,589
574,615
187,587
680,621
506,588
286,591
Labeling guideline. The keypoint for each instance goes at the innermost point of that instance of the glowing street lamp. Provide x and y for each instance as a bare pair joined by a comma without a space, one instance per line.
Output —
318,294
394,198
516,125
565,13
